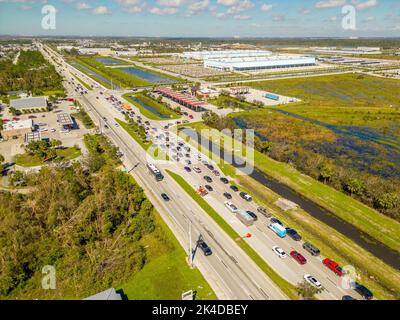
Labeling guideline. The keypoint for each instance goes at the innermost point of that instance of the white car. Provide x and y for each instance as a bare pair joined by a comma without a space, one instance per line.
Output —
313,281
197,169
279,252
231,206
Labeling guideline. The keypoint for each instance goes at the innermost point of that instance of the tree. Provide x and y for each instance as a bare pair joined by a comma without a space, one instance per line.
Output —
386,201
55,143
2,159
307,291
326,173
353,186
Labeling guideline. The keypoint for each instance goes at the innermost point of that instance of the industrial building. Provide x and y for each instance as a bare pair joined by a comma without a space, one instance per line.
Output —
18,129
225,54
27,104
96,51
183,99
259,63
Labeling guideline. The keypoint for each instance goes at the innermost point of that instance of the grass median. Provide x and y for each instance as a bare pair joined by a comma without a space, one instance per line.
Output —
285,286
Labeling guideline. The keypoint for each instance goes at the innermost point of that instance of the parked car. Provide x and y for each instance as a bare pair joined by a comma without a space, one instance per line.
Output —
204,247
231,206
246,196
216,173
274,220
227,195
279,252
298,257
334,266
313,281
165,196
187,169
252,214
293,234
314,251
363,291
264,212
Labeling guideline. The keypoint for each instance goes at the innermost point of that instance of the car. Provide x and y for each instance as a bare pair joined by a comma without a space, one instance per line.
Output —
228,195
348,298
274,220
363,291
117,125
246,196
314,251
279,252
204,247
210,167
298,257
187,169
208,179
313,281
293,234
264,212
188,162
197,169
231,206
224,180
216,173
208,187
165,196
234,188
252,214
334,266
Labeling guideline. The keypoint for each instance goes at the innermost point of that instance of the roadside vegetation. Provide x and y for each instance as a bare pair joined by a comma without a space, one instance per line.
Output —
83,117
225,100
32,74
136,131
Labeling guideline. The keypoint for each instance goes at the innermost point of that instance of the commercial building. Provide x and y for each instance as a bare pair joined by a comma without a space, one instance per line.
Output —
224,54
185,100
19,128
259,63
349,50
65,121
26,104
96,51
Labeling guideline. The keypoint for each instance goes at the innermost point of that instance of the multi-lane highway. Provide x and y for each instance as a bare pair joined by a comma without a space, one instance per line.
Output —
231,273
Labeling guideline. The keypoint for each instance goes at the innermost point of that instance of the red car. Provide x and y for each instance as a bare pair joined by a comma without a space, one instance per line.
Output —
190,116
333,266
298,257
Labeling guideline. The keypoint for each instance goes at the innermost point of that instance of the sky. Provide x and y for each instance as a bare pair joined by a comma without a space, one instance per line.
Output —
203,18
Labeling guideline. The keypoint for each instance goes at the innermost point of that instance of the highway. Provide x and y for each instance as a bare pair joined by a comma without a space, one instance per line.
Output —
230,272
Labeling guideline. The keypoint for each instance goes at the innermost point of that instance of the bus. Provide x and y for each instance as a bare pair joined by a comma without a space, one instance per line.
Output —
155,172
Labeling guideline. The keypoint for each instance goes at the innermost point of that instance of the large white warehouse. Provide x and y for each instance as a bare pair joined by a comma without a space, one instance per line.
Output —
258,63
224,54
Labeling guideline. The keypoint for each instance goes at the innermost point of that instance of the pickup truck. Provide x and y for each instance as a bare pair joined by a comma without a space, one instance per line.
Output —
334,266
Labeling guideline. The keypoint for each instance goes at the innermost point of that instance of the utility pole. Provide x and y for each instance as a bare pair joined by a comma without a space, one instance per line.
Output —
190,244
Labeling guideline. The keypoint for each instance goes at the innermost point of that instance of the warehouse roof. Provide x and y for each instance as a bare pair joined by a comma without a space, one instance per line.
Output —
29,103
16,125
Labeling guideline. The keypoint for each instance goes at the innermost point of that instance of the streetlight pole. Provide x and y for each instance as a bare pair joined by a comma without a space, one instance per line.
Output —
190,243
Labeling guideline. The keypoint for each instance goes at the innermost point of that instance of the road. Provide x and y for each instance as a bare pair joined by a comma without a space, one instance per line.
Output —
229,271
182,208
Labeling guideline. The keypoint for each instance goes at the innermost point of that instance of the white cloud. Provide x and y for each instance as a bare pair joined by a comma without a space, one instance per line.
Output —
330,4
170,3
198,6
227,3
101,10
364,5
240,7
241,17
132,6
162,11
266,7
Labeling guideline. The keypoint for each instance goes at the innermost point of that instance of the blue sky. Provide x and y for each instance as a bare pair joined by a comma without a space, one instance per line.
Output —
206,18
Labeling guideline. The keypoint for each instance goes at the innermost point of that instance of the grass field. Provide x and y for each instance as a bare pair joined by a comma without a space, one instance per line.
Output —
380,227
27,160
286,287
226,101
158,107
166,274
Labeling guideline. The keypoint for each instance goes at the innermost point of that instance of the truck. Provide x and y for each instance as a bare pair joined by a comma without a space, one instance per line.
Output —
244,217
278,229
126,106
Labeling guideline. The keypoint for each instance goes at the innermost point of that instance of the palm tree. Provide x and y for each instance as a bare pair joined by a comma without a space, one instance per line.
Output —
307,291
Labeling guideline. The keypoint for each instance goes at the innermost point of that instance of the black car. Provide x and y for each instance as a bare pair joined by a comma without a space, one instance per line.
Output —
208,179
363,291
274,220
224,180
211,167
165,196
293,234
348,298
208,187
253,215
234,188
204,247
227,195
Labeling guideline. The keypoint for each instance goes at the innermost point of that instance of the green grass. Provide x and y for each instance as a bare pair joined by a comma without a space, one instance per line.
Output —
151,103
27,160
285,286
378,226
225,101
77,64
84,118
84,83
166,275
